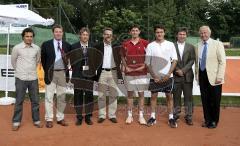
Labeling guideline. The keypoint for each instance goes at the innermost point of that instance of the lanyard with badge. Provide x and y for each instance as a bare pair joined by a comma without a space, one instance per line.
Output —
85,58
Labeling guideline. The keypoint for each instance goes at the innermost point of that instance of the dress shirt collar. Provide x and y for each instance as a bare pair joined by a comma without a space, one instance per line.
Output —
180,43
84,45
56,41
106,44
27,46
207,42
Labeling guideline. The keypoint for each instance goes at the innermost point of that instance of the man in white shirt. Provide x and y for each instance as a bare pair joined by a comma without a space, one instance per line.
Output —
108,74
183,76
161,60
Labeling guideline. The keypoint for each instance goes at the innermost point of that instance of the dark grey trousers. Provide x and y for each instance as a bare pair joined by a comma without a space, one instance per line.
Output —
21,88
186,88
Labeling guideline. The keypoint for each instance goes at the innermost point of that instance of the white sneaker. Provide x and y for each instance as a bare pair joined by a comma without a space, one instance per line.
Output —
129,120
142,121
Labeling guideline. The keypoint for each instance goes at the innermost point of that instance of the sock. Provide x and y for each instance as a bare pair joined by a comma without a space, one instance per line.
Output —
170,116
153,115
130,113
140,113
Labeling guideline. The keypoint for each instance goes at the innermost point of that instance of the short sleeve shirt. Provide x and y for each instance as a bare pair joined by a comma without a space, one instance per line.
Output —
159,56
135,55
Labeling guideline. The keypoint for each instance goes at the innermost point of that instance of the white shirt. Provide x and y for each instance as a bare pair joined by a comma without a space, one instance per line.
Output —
181,48
160,56
84,45
108,60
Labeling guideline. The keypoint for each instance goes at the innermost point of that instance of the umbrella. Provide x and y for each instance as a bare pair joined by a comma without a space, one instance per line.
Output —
9,15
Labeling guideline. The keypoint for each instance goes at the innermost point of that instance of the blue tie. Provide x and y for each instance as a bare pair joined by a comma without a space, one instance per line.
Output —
204,56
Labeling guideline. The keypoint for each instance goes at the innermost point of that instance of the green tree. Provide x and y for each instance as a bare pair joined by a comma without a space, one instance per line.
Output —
224,18
119,21
162,12
191,14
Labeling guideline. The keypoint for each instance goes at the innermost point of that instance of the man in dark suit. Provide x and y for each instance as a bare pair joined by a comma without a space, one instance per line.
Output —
108,74
54,61
183,76
82,58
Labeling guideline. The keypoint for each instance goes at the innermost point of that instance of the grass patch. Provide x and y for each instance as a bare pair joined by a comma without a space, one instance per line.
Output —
232,101
3,51
232,52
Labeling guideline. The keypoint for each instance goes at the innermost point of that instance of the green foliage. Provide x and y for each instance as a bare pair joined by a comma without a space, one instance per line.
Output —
163,12
119,21
222,16
190,14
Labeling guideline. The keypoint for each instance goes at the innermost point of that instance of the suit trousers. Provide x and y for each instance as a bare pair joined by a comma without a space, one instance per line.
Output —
186,89
83,98
58,84
211,98
107,82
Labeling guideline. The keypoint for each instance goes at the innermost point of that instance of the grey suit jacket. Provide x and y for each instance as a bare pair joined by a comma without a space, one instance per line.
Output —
185,63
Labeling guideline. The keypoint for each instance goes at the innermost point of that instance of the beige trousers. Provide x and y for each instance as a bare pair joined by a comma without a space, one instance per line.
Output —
107,83
58,84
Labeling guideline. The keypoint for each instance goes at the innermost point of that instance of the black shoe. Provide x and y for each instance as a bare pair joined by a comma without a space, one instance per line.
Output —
212,125
113,120
151,122
189,122
172,123
88,121
78,122
100,120
176,117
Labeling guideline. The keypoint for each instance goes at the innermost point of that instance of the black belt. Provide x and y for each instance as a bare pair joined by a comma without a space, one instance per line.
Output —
109,69
59,70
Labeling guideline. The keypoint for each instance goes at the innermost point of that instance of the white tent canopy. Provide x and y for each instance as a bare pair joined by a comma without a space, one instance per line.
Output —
21,16
9,15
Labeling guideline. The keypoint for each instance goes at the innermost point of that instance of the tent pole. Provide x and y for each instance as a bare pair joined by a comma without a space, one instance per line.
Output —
8,42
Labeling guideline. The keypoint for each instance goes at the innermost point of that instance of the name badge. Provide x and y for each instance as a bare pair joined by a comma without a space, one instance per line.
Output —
85,67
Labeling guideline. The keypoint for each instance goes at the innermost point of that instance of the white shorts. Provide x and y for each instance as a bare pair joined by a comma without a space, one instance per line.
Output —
136,83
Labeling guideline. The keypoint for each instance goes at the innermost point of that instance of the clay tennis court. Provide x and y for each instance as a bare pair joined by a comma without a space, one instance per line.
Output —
232,77
226,134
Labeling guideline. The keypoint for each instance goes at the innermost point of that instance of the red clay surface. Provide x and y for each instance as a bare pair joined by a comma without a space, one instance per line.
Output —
232,77
226,134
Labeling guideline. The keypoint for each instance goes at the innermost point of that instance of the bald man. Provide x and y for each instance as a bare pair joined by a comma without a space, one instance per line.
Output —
210,71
